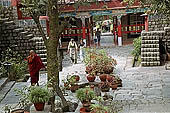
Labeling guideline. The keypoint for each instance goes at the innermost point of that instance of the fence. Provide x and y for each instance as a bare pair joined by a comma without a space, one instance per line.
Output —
5,3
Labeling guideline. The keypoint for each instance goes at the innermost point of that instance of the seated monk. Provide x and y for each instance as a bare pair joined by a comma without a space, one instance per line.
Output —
35,64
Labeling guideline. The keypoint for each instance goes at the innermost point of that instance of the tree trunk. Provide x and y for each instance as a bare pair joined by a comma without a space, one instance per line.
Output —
52,59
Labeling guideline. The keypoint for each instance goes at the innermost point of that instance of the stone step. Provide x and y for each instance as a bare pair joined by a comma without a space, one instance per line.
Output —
41,51
40,47
24,33
42,55
44,59
3,82
18,30
10,22
6,89
37,39
29,36
4,19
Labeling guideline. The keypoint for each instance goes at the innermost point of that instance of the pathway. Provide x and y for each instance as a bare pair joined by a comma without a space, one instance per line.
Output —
145,89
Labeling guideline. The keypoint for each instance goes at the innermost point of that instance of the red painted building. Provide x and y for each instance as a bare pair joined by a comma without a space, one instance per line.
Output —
127,22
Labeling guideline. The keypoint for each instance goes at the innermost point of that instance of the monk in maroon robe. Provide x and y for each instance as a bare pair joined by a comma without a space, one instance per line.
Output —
35,64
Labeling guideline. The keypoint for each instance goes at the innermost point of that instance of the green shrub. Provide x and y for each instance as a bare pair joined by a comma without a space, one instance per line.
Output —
85,94
137,47
39,95
18,68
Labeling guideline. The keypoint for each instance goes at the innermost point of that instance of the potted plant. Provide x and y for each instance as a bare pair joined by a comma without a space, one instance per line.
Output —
85,95
103,77
39,96
104,86
73,85
98,108
91,76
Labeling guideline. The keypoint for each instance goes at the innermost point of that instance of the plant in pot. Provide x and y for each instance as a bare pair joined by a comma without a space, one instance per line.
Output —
98,108
104,86
85,95
91,76
39,96
73,84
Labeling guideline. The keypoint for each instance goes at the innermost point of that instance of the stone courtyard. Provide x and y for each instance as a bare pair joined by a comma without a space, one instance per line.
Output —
145,89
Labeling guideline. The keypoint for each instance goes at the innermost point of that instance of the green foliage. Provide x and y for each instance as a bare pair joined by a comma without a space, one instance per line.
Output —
155,6
97,59
137,47
85,94
39,95
98,108
34,7
18,68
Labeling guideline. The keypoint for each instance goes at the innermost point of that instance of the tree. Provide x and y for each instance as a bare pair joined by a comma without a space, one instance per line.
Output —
35,9
156,6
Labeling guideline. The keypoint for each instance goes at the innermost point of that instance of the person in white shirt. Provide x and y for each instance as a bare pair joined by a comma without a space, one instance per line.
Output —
72,50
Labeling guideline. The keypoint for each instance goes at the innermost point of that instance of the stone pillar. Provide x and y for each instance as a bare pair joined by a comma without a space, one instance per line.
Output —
146,23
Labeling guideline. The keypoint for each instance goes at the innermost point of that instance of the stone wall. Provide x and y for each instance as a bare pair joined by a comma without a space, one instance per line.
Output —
150,51
158,22
13,36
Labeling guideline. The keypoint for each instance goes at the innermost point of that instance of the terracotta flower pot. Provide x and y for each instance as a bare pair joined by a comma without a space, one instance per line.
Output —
39,106
18,111
113,86
91,78
83,110
77,77
74,87
108,69
103,77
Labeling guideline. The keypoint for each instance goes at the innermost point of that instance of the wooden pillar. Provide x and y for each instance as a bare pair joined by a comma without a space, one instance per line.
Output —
14,2
48,27
84,30
119,30
146,23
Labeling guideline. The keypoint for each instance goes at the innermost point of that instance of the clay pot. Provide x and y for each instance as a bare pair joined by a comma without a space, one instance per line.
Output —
77,77
88,69
74,87
103,77
109,78
108,69
91,78
105,89
113,86
18,111
39,106
83,110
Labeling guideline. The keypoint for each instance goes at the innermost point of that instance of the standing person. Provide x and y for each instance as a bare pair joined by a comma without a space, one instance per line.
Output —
35,64
81,46
72,50
95,39
98,34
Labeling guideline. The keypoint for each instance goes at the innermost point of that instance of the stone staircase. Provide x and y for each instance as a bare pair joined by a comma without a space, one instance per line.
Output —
40,49
15,37
5,87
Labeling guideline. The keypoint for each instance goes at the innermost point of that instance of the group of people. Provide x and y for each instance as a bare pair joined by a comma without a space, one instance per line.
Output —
35,63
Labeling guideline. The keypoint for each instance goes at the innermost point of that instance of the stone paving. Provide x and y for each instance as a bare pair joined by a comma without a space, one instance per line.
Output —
144,90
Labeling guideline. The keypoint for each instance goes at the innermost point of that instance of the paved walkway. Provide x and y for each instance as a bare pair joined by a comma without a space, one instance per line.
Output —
145,89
